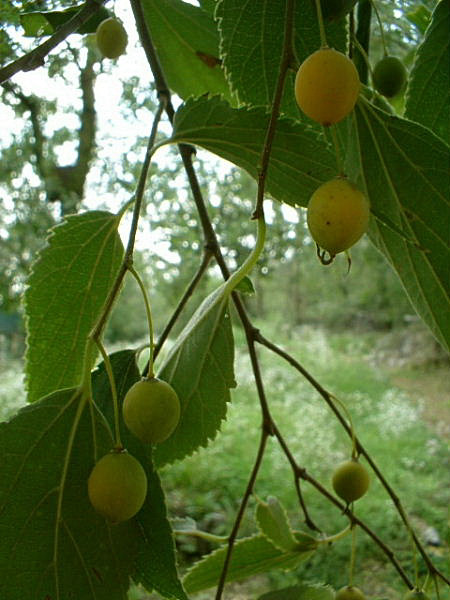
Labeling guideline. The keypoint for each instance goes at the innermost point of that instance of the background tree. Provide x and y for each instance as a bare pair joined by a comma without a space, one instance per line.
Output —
190,239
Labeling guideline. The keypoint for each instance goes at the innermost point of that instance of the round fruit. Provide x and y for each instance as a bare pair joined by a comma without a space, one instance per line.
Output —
338,215
350,592
111,38
415,595
389,76
151,410
117,486
350,480
327,86
333,10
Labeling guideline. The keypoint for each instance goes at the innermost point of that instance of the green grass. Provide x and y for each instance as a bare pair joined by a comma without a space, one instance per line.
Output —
400,414
412,457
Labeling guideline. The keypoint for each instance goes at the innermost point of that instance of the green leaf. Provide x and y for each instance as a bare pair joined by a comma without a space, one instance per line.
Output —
251,45
306,31
52,542
200,369
209,6
35,24
245,286
156,567
420,17
40,23
404,168
301,592
187,44
428,92
10,14
66,291
299,161
273,522
250,556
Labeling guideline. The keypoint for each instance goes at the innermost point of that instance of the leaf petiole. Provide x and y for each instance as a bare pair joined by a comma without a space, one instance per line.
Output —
148,311
112,382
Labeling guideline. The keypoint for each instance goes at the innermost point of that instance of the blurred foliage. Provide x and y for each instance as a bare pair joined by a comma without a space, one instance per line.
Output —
368,299
207,487
359,370
27,214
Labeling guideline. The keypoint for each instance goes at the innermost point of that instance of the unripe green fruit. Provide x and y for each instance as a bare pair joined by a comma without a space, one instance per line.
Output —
350,480
333,10
389,76
338,215
327,86
117,486
151,410
111,37
350,593
415,595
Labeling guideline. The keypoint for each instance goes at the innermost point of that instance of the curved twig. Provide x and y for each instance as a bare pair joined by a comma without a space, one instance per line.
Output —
360,448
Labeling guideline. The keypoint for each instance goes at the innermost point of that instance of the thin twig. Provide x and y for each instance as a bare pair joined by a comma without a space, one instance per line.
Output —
34,59
286,60
241,511
186,153
252,334
307,519
302,473
210,238
361,449
259,214
207,255
128,257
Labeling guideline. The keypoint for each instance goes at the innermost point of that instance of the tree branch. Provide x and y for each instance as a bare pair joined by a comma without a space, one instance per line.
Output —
360,448
87,130
242,507
31,104
34,59
64,184
303,474
128,257
252,334
207,255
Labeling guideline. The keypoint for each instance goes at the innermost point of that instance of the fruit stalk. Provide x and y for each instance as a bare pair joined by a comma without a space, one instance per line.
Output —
150,372
112,383
323,35
352,557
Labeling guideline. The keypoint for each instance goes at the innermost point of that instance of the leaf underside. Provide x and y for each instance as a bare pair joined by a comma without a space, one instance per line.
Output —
250,556
187,44
66,291
299,161
200,368
428,94
251,46
404,168
47,524
301,592
52,543
273,522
